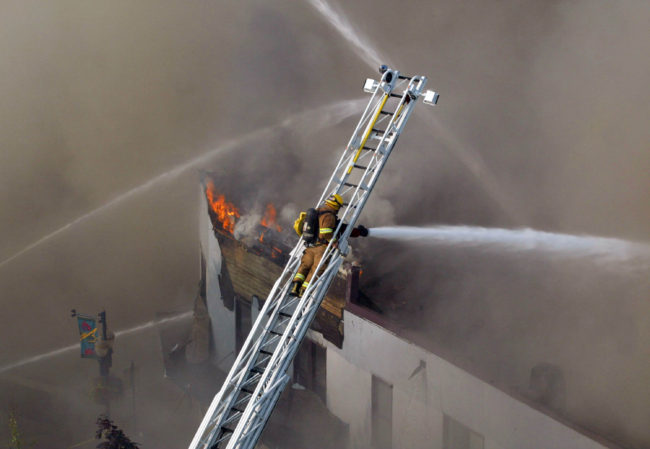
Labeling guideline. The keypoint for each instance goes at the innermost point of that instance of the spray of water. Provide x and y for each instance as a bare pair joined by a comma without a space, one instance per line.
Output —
360,44
326,116
600,249
471,160
66,349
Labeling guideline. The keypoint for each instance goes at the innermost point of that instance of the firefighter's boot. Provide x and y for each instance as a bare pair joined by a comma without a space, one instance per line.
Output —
295,288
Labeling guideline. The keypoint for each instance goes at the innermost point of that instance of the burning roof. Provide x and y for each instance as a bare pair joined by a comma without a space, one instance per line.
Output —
225,212
265,237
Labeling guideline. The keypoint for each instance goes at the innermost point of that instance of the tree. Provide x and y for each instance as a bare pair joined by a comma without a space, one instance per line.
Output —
115,438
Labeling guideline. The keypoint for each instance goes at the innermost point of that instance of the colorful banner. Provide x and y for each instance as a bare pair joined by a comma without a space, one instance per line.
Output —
88,336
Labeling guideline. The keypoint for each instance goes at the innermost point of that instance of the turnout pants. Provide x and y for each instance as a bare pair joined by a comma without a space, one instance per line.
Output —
310,260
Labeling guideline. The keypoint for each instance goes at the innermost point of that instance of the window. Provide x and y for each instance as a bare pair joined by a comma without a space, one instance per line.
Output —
202,282
458,436
243,322
382,414
310,368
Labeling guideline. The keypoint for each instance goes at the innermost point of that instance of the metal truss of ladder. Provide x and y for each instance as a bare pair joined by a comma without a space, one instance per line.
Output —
239,412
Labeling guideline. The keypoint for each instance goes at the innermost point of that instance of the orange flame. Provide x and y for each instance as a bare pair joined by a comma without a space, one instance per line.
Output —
226,212
269,219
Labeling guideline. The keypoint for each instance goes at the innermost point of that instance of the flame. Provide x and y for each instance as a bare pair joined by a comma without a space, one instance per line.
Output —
275,252
269,219
226,212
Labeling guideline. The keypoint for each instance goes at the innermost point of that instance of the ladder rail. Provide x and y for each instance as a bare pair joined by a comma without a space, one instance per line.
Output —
258,375
335,183
280,362
418,86
328,254
364,117
249,349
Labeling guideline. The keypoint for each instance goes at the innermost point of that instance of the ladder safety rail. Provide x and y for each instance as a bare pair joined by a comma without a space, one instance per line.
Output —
239,412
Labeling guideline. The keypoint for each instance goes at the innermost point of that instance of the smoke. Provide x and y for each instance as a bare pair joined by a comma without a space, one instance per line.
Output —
246,226
550,97
498,304
99,101
289,213
469,158
329,115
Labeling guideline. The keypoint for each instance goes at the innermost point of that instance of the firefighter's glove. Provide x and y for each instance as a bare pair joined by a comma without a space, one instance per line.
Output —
363,231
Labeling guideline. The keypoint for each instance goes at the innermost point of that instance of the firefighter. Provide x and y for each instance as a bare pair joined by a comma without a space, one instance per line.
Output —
327,224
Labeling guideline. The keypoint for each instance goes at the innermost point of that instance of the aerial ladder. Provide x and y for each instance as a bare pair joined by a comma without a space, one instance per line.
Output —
239,412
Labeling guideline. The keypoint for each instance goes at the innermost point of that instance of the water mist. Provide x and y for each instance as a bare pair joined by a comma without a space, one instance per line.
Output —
603,250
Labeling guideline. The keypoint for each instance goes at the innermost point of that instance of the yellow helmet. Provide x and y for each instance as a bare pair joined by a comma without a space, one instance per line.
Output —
335,200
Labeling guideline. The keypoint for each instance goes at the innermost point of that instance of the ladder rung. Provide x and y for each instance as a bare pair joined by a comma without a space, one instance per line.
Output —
386,113
257,370
225,429
354,185
232,418
382,132
362,167
396,95
404,77
252,380
270,341
236,409
275,333
265,352
285,314
216,444
247,390
242,401
369,149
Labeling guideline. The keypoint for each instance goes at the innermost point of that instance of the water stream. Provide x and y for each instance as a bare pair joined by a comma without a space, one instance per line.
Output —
360,44
316,119
600,249
469,158
75,347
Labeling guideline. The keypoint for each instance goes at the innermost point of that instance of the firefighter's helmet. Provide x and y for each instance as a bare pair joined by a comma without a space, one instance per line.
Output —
334,200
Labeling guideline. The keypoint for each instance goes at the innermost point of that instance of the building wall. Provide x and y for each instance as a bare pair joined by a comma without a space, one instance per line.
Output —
222,320
422,398
348,396
429,394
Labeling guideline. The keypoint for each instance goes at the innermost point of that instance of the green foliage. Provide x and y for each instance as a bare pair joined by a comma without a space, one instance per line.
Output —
15,439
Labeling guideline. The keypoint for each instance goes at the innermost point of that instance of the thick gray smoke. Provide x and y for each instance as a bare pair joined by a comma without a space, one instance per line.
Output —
537,143
550,98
